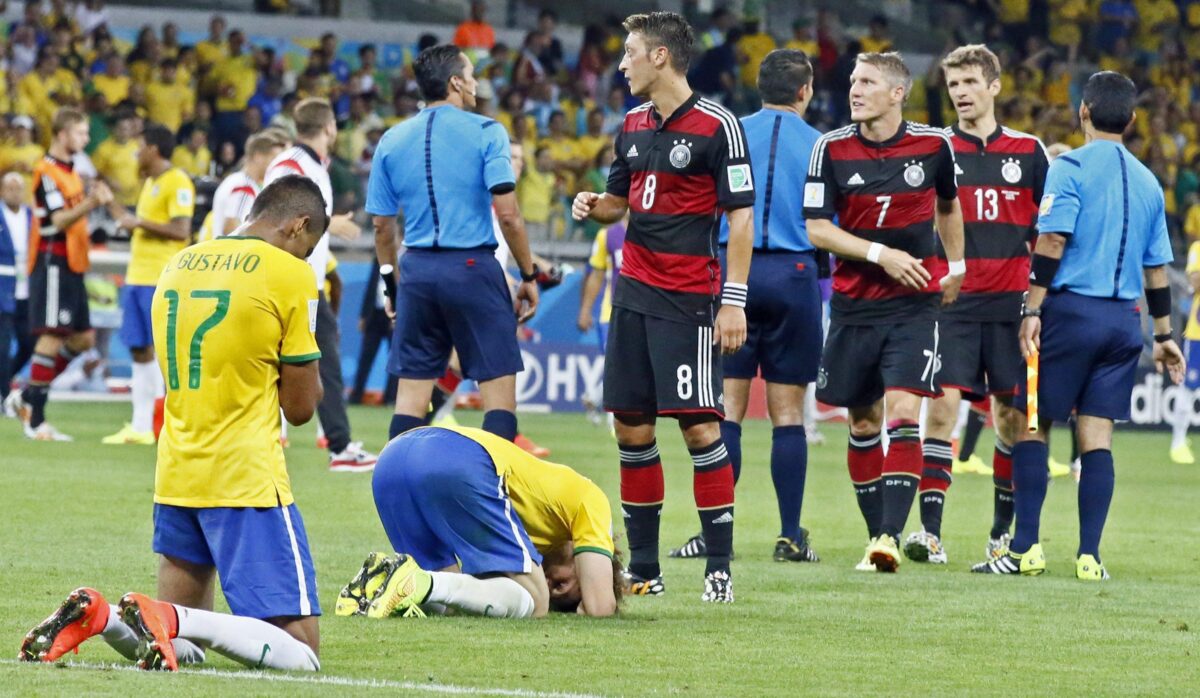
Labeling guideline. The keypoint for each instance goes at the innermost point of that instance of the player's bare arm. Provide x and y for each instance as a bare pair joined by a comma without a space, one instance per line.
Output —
595,572
591,291
602,208
101,196
386,234
949,219
178,229
898,264
341,225
1050,246
300,391
731,318
1167,353
512,226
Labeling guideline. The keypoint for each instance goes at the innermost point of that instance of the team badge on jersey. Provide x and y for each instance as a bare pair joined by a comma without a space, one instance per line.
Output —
681,154
914,174
1011,170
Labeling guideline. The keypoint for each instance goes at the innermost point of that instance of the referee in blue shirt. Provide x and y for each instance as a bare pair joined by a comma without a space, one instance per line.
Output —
783,313
1102,230
446,169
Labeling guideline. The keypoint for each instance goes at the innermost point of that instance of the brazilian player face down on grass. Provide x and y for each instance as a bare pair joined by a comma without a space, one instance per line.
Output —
289,215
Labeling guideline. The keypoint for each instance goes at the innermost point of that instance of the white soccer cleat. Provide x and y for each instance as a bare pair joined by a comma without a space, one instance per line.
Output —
997,547
865,565
922,546
15,406
45,432
352,460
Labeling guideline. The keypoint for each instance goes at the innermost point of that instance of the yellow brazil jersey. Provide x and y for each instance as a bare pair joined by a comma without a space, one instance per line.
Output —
170,195
226,314
600,264
117,163
1192,331
196,163
168,103
556,504
236,79
114,89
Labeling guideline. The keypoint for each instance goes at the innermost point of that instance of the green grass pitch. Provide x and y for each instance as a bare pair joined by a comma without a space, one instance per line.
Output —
79,513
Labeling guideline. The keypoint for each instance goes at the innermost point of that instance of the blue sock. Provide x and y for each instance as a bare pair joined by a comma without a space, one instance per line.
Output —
402,423
1030,474
789,466
731,434
502,423
1095,494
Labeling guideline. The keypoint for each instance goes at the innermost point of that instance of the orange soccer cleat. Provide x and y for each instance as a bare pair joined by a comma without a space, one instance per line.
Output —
83,615
155,623
530,447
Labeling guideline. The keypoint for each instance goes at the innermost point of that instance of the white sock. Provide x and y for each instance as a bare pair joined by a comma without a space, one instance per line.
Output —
447,407
1183,419
497,597
810,405
122,639
250,641
282,425
144,389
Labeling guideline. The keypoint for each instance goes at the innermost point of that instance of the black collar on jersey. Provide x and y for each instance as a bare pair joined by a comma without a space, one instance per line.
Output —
900,133
974,140
68,166
683,109
311,153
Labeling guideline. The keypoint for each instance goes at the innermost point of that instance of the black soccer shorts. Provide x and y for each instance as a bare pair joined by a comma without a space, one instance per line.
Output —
981,358
58,301
861,362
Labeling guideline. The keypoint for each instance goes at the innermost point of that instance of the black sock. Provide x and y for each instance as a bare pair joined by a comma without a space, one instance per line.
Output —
935,480
436,400
1002,497
35,396
975,423
712,485
502,423
641,506
865,460
902,468
402,423
731,435
1074,441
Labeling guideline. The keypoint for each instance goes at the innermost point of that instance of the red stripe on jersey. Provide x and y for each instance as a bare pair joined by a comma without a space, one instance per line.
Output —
674,194
869,282
291,164
673,272
1009,205
912,145
880,212
248,191
988,275
694,122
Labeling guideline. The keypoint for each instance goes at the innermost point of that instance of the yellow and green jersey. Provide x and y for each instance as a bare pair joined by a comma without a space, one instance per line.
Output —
165,197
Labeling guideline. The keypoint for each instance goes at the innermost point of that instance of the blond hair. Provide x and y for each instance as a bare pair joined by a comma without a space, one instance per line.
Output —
892,65
973,55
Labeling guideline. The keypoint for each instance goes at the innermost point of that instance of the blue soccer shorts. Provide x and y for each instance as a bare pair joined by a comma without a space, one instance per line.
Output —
261,555
137,328
454,299
441,502
1191,349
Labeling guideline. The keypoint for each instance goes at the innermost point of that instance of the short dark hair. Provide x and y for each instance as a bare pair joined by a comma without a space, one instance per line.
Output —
434,67
547,13
666,29
782,73
1110,98
289,197
161,138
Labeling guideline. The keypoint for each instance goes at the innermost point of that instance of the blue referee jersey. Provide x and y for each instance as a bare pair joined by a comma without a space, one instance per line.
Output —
1111,209
440,167
780,144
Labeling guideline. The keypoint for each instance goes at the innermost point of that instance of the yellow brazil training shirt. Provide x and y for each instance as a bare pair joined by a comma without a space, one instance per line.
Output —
226,314
170,195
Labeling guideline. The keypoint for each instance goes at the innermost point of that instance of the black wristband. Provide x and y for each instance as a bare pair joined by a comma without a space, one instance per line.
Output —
1042,270
531,276
1158,301
1160,338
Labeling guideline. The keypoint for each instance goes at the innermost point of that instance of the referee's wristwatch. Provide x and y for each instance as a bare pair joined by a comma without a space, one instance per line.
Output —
532,275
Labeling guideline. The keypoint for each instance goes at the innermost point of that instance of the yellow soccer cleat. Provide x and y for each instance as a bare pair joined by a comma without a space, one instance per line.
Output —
355,597
128,435
1058,469
403,591
884,553
974,464
1090,569
1030,563
446,422
864,565
1182,455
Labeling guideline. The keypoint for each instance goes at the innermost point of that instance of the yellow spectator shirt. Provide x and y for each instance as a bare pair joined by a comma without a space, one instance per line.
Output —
226,314
115,90
169,103
118,164
195,164
20,158
239,74
1192,331
168,196
556,504
209,52
535,194
755,47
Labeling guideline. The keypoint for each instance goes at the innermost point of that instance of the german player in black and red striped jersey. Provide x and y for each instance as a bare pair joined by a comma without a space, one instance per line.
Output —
681,161
888,182
1001,174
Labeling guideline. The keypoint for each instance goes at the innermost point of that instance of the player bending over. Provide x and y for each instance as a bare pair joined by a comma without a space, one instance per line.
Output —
484,528
233,319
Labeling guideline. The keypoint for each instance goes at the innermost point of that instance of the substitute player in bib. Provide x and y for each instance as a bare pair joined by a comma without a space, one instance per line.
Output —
1102,234
889,182
58,259
316,132
1001,173
451,292
680,161
161,227
233,320
783,313
485,528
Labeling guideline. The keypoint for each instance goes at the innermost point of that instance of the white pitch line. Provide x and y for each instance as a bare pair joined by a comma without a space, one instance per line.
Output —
269,677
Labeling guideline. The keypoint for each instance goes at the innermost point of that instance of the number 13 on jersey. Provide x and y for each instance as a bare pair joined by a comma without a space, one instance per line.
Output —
196,344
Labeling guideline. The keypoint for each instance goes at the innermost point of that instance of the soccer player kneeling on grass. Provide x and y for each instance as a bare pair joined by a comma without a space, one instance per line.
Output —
484,528
233,321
